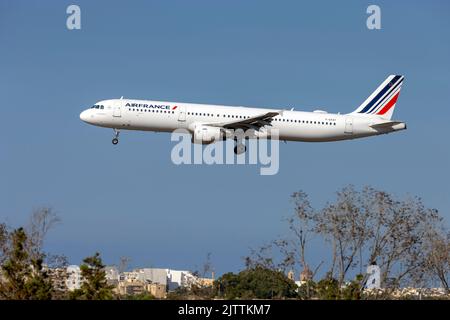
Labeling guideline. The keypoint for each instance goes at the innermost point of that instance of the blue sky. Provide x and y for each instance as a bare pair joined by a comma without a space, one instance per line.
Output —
130,200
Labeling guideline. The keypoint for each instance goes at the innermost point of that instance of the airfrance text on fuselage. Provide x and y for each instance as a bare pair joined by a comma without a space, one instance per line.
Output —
144,105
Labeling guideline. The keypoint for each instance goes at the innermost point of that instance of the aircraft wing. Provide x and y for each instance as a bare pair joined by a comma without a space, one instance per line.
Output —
250,123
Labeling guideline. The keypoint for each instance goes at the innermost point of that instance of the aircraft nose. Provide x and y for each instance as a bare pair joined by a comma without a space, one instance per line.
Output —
84,116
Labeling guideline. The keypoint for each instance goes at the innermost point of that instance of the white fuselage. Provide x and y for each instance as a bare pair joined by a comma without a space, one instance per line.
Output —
160,116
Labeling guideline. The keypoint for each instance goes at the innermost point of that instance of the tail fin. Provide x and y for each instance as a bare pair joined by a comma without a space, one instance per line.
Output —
382,101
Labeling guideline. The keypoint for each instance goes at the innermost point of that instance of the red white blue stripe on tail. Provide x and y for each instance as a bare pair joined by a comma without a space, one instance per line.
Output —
382,101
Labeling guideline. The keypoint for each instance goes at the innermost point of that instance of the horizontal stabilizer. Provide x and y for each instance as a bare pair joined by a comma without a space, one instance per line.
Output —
396,125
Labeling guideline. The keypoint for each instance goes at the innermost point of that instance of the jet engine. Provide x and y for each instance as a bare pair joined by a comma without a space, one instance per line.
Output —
206,134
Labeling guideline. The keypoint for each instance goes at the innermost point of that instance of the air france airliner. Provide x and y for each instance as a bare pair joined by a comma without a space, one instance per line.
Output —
212,123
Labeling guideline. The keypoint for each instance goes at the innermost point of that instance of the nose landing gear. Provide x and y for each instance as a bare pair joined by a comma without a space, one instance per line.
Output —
115,140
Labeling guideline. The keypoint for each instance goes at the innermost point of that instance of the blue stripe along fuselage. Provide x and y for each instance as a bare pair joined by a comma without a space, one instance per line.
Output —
387,87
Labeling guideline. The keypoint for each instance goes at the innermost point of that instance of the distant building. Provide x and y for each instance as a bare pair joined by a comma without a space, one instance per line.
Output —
156,281
306,275
112,275
178,278
59,278
156,290
291,275
73,280
131,287
152,275
172,279
374,276
205,282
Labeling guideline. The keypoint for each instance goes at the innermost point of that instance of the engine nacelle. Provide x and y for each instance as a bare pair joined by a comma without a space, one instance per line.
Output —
206,134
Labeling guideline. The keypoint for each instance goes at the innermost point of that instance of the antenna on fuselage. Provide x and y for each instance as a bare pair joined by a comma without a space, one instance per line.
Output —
121,97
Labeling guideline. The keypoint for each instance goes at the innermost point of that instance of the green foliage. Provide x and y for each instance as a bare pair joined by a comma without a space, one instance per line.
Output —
202,292
328,289
307,290
94,286
255,283
24,277
353,290
180,293
141,296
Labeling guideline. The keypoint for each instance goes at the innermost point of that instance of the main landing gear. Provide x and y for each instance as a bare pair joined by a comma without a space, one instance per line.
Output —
115,140
240,148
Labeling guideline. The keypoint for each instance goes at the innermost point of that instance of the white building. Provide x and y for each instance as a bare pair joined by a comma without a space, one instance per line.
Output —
152,275
172,279
73,280
112,275
178,278
374,276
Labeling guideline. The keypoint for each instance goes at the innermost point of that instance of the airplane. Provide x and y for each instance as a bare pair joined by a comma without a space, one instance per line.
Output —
212,123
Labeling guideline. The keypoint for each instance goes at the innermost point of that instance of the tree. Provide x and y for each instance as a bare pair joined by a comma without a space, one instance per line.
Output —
345,225
404,237
94,286
255,283
4,237
291,250
42,220
328,288
437,257
371,225
396,231
24,276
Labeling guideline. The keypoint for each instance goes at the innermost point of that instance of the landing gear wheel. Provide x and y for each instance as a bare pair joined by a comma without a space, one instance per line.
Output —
240,148
115,140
